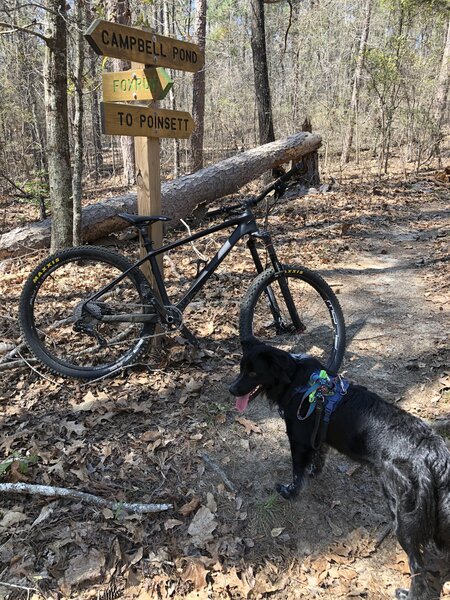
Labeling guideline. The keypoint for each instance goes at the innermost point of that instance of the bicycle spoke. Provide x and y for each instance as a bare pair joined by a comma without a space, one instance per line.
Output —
55,313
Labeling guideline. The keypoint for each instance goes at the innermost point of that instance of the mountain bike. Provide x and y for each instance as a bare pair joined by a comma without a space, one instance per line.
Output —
88,312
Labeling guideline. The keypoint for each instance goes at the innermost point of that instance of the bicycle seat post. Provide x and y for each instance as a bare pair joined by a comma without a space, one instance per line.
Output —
148,243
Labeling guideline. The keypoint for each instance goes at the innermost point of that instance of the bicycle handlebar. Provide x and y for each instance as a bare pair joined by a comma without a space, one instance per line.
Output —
277,185
224,210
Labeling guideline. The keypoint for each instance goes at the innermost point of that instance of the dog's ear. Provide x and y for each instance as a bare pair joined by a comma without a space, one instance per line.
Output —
284,364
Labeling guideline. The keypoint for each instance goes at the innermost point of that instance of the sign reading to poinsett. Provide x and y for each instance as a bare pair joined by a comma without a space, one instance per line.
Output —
145,47
129,119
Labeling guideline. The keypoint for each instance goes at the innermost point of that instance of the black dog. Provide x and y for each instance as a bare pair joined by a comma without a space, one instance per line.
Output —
412,462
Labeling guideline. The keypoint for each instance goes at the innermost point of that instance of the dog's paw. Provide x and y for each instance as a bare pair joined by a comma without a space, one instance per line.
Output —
401,594
313,470
287,490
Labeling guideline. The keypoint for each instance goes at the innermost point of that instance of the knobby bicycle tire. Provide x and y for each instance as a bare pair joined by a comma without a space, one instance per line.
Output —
49,301
322,333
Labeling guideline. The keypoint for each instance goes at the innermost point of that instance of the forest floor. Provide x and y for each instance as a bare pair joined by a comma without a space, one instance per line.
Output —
151,434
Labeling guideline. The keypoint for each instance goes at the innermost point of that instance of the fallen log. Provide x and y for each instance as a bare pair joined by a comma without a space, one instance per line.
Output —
179,197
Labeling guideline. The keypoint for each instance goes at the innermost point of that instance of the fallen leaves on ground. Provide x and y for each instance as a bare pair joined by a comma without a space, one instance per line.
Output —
138,437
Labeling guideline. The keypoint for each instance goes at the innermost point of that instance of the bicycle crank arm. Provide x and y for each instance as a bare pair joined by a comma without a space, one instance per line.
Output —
189,336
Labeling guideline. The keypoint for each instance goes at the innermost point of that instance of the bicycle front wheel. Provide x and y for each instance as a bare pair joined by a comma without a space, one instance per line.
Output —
69,336
295,310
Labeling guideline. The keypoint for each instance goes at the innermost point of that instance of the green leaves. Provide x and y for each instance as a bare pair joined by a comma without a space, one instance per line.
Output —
23,463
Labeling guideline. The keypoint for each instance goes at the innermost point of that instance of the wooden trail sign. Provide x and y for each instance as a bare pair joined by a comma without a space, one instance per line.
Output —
144,47
143,121
136,84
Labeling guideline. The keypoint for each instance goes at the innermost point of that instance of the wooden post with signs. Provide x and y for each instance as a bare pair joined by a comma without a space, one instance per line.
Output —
147,152
147,124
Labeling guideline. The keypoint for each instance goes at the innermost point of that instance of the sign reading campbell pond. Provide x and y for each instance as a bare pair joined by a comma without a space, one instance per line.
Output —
131,43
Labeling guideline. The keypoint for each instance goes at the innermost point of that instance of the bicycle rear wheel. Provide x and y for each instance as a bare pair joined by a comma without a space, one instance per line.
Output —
73,341
265,314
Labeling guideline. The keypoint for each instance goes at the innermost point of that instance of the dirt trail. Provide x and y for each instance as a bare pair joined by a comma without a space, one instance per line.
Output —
144,435
394,314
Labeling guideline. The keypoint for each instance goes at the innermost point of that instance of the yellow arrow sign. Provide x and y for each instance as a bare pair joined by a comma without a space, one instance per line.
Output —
136,84
131,43
142,121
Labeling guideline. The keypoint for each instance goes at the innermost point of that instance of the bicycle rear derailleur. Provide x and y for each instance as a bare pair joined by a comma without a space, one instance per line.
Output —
86,316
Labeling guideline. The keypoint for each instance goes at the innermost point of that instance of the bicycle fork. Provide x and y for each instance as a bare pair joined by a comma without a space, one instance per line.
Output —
280,325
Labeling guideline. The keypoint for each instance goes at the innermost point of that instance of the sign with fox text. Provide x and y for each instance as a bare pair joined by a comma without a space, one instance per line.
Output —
136,84
145,47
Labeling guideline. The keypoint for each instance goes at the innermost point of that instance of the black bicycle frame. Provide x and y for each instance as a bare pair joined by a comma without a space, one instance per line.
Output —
245,225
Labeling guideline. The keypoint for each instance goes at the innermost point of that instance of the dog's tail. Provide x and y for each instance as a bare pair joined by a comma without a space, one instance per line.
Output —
439,465
413,496
427,507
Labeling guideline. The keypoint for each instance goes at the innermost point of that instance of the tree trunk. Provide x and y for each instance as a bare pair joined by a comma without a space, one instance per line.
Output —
169,30
179,197
78,150
309,172
198,93
41,159
440,101
55,81
261,73
348,140
95,107
120,12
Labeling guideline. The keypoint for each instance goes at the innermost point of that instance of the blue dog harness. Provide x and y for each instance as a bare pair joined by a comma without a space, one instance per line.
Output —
323,393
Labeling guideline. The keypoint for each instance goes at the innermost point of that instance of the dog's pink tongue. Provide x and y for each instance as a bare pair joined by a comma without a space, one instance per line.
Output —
242,402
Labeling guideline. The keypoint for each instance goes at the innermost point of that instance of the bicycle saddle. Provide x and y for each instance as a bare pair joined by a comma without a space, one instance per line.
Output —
142,220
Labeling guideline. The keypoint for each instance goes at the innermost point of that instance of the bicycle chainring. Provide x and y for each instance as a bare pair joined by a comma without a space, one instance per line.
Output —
173,318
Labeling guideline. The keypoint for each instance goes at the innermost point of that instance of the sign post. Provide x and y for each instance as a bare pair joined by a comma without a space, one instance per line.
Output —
147,124
148,184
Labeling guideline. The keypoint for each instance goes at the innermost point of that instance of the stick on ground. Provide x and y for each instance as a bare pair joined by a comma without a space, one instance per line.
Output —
57,492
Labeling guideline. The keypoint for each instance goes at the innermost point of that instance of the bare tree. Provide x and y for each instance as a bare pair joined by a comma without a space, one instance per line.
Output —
77,78
55,103
198,92
96,132
169,30
357,76
120,12
55,87
261,73
441,95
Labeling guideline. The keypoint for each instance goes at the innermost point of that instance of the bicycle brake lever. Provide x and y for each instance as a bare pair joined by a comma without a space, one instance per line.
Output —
280,189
